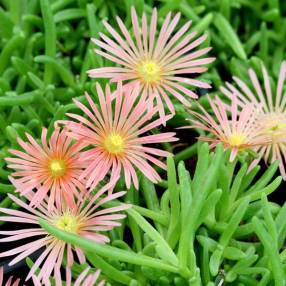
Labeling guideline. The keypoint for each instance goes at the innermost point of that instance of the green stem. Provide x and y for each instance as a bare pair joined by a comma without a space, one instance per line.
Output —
272,252
186,153
108,269
50,37
21,99
173,230
64,73
6,203
165,251
163,184
106,250
155,216
151,199
4,189
14,43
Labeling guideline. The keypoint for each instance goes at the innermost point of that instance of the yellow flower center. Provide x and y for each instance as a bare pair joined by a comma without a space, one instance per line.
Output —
277,127
114,143
67,222
57,167
149,71
236,140
274,125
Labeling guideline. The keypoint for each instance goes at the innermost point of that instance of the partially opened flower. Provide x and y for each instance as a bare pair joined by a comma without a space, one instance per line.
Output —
10,281
88,219
115,136
162,64
84,279
272,116
237,134
49,168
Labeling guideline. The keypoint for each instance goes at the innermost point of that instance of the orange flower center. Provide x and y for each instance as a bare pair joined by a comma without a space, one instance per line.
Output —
57,167
236,140
149,71
114,143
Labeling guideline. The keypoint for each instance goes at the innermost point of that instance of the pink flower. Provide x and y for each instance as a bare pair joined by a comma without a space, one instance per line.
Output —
238,133
84,279
9,281
87,279
163,65
88,219
272,116
114,135
50,168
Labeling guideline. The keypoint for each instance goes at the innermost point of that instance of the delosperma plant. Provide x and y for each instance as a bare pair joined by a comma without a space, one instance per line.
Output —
156,63
129,156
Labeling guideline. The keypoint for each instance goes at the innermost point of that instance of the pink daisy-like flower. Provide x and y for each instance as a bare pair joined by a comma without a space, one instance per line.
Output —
9,281
52,167
84,279
115,138
162,64
271,117
86,220
238,133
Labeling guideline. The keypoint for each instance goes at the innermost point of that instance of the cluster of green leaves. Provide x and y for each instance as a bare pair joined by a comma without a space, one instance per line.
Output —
213,227
242,32
45,51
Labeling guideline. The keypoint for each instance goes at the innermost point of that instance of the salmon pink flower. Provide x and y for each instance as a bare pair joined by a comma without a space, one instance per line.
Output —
237,134
115,138
49,168
88,219
162,64
9,281
272,116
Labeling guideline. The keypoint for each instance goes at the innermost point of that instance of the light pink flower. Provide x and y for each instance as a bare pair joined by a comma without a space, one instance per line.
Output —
49,168
84,279
272,116
162,64
114,137
88,219
238,133
9,281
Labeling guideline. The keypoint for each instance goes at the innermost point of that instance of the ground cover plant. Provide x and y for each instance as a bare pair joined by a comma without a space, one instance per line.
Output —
142,142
